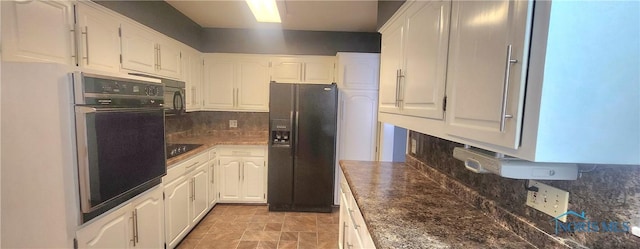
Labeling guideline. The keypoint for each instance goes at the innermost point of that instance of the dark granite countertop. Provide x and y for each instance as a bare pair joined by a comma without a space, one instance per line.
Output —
211,140
403,208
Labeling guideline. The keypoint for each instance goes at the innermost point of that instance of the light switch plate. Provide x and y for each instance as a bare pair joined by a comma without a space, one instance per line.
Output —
233,123
549,200
413,146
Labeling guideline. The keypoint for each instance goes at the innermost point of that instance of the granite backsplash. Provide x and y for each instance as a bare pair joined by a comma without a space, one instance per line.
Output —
604,192
212,123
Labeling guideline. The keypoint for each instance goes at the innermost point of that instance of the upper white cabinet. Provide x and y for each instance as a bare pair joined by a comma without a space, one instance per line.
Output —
38,31
303,69
146,52
192,68
414,59
98,42
358,71
236,82
487,61
138,224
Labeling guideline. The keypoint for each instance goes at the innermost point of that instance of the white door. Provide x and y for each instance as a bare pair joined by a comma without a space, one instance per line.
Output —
219,87
426,43
199,195
99,39
149,220
390,64
358,71
229,178
111,231
169,58
253,179
479,107
358,125
177,203
213,191
319,69
253,84
139,49
286,69
46,38
192,62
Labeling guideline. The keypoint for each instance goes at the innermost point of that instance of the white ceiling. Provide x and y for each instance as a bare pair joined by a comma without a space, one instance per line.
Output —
328,15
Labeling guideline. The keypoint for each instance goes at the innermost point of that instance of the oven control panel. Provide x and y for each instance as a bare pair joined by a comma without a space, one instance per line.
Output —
99,90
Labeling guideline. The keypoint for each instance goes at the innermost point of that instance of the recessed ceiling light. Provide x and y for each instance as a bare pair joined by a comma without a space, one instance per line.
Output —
264,10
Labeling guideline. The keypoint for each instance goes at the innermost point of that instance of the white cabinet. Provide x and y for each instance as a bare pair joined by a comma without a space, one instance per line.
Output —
144,51
485,83
177,199
414,60
353,230
192,68
38,31
98,42
358,71
213,181
200,181
242,174
138,224
303,69
236,82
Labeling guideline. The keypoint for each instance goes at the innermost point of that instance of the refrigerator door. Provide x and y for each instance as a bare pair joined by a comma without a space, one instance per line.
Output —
280,175
314,146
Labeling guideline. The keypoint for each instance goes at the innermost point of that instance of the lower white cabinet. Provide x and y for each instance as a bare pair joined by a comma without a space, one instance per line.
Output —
242,174
213,181
353,230
138,224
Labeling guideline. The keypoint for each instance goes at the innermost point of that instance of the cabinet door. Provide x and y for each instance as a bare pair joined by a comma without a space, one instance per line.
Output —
219,88
253,179
213,190
192,68
358,71
426,40
47,38
485,104
390,64
149,220
99,39
358,125
177,202
286,70
253,84
169,57
139,49
319,69
200,183
111,231
229,178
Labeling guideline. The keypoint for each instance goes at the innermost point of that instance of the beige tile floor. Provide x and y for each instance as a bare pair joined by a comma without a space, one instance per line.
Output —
250,226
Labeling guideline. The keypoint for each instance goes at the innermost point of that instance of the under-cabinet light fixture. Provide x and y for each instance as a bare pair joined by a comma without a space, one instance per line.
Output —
264,10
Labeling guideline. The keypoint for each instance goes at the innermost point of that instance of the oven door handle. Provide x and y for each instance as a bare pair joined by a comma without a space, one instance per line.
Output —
88,109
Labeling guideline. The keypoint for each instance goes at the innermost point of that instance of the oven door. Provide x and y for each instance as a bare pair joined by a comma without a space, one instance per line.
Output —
119,150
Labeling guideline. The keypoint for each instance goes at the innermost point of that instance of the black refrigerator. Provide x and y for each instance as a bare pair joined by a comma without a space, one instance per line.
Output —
302,146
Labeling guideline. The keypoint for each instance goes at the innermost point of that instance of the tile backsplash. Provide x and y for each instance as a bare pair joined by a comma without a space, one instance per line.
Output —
208,123
605,193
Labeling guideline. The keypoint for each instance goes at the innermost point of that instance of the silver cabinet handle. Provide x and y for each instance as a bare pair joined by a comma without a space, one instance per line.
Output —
74,29
505,94
397,86
193,164
159,58
86,43
212,172
344,233
352,219
135,219
400,88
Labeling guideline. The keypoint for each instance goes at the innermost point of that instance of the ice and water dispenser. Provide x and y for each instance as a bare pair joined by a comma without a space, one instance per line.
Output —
280,132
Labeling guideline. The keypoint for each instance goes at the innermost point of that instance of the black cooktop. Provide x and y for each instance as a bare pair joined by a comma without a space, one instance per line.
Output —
174,150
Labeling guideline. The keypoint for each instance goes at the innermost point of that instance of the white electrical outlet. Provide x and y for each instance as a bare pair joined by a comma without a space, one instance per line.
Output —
413,146
549,200
233,123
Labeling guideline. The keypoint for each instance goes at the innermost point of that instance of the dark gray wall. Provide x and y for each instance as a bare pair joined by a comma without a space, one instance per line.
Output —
386,9
275,41
160,16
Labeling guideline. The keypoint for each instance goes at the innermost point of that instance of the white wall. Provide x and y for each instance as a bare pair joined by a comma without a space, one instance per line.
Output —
39,204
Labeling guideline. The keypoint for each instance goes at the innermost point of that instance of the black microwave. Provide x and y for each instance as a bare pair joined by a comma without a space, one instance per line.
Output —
174,95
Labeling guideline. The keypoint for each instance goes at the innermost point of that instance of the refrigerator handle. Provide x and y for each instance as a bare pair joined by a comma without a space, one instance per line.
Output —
296,127
291,136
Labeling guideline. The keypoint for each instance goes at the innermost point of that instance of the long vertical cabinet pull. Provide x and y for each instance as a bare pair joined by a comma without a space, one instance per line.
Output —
397,86
159,57
400,88
86,44
344,233
505,94
193,183
74,32
133,228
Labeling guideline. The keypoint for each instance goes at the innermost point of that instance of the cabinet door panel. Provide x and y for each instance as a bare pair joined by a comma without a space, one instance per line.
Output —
358,125
253,179
150,220
229,178
219,84
169,57
319,71
25,38
286,70
477,70
358,71
423,84
253,84
99,43
213,190
177,204
192,74
390,63
138,49
200,186
111,231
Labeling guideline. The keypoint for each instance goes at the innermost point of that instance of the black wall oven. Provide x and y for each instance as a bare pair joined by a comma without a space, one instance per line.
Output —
120,139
